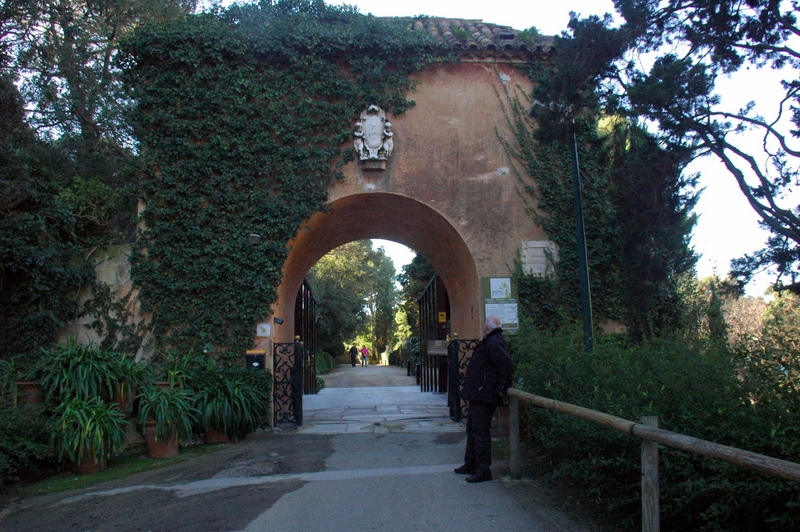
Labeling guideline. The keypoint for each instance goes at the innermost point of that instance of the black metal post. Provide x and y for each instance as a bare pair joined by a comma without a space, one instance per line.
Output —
586,294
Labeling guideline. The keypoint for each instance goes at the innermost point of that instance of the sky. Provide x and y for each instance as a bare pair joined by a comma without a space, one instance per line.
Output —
727,227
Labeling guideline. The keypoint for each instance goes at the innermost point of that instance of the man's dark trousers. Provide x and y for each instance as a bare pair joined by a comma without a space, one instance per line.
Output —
478,454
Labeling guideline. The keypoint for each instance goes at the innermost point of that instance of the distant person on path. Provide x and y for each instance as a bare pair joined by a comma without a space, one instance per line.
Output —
486,382
364,355
353,355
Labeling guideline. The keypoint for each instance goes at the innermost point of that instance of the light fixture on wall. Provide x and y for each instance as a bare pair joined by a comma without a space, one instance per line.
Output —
278,321
254,238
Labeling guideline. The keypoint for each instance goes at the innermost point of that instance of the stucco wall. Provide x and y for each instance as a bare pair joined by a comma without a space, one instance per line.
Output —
448,191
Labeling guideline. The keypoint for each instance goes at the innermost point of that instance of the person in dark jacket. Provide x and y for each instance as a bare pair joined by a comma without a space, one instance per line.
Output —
353,355
486,382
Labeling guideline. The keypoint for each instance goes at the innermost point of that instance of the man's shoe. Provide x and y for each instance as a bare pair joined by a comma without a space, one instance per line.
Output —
465,470
480,477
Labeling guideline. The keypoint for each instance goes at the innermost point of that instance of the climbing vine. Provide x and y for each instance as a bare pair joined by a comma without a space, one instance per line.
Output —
243,117
636,211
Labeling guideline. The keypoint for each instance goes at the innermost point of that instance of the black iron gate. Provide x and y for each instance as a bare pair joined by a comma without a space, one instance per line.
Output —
287,369
458,355
434,328
305,310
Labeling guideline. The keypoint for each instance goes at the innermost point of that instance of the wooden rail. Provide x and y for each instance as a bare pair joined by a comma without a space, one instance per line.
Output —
651,435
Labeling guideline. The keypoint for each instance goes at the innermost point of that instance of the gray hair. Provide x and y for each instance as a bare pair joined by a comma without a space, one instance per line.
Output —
492,323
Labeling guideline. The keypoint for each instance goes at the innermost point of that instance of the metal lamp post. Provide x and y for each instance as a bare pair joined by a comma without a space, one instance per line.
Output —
583,262
537,110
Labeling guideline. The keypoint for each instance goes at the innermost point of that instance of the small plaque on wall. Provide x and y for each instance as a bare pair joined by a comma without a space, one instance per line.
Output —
538,257
263,330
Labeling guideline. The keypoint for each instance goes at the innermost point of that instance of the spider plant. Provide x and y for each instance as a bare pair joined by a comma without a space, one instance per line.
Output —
88,428
76,370
131,376
171,408
15,371
231,406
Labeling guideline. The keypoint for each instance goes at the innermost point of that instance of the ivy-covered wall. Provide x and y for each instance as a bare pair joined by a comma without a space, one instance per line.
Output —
637,214
242,116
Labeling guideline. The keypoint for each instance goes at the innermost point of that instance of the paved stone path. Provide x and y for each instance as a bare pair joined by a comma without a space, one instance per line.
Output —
368,458
393,402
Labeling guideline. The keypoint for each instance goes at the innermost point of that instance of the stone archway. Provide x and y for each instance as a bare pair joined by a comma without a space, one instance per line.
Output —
448,190
391,217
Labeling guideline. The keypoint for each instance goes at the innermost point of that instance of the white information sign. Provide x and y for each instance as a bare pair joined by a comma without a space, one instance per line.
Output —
506,310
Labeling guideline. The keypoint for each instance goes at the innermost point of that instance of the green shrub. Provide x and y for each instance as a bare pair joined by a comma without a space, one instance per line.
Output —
694,387
324,362
24,439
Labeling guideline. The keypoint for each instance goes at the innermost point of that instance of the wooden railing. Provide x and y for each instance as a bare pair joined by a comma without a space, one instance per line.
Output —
651,437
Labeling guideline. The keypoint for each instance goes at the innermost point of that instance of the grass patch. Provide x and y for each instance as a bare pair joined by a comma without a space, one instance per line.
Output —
122,465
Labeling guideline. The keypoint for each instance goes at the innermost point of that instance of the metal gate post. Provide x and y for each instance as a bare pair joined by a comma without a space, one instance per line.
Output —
283,393
297,382
453,384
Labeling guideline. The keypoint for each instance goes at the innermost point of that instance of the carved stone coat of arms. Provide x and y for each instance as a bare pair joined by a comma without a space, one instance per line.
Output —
373,138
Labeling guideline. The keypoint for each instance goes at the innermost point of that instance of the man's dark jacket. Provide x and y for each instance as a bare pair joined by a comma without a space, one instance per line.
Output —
489,370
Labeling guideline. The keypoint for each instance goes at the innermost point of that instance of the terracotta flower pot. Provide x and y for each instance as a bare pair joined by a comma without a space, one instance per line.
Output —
88,464
124,403
163,447
30,392
213,435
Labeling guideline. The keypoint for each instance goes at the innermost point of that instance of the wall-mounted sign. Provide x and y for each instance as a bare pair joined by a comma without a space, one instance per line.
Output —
538,257
263,330
500,299
499,287
442,317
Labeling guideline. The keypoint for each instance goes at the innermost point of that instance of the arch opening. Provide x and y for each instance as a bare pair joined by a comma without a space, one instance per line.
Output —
390,217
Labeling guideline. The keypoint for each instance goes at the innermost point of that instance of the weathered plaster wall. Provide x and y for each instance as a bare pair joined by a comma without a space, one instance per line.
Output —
113,269
448,192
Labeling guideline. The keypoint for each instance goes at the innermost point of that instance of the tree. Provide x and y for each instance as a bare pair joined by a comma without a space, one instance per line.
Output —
413,279
355,293
341,288
42,270
691,46
384,301
65,50
636,201
62,53
653,203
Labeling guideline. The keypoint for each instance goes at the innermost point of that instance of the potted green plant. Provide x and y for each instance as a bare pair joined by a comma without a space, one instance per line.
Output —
165,414
230,408
131,376
18,376
88,432
78,370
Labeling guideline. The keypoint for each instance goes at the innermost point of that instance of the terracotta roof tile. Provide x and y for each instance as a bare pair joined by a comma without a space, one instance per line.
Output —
461,35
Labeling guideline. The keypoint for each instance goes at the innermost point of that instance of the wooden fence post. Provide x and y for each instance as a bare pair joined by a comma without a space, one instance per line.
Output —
513,436
650,491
